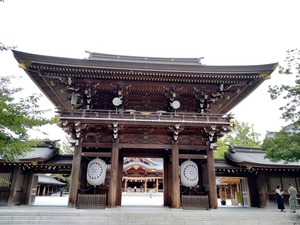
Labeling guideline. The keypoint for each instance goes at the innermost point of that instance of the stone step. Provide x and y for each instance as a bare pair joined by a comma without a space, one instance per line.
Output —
146,215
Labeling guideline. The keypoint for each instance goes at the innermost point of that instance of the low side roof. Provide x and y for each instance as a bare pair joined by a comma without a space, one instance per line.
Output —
41,153
44,179
251,156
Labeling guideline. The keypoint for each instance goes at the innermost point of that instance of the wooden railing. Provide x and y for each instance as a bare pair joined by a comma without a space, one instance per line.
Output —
158,116
195,202
91,201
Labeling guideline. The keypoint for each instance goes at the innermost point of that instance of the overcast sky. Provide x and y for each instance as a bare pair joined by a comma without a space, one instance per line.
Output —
239,32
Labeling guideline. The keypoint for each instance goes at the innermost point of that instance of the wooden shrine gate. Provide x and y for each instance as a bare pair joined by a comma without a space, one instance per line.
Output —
156,141
174,108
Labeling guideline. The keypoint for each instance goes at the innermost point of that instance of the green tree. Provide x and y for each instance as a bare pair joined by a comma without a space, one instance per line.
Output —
66,146
17,116
242,134
285,145
291,66
4,47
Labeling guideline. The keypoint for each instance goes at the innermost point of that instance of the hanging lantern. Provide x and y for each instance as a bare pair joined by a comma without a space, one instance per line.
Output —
96,172
189,175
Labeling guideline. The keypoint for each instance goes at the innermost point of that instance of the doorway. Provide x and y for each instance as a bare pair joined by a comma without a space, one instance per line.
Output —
49,190
233,192
142,182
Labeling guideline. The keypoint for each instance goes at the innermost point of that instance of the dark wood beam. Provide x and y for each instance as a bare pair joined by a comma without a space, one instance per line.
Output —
96,154
145,155
143,146
96,145
192,156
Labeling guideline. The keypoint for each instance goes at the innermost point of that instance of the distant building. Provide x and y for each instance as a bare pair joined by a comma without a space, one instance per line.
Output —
288,128
47,185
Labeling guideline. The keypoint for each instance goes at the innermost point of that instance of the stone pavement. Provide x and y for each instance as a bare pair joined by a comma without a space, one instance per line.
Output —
128,199
137,212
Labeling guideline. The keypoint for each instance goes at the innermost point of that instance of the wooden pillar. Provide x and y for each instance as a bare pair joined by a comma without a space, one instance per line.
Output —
156,181
44,190
32,189
75,176
167,180
262,189
16,175
145,184
120,176
175,176
112,192
125,185
212,179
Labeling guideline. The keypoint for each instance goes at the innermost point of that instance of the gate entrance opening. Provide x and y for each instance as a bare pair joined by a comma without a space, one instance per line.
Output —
233,192
142,182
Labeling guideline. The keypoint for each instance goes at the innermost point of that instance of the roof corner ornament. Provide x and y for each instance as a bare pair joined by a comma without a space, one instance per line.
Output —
24,64
199,60
265,75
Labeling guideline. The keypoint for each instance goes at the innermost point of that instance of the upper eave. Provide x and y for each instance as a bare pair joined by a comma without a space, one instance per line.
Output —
132,64
142,76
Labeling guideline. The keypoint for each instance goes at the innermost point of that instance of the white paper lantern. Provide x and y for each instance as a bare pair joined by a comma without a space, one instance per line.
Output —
96,172
189,175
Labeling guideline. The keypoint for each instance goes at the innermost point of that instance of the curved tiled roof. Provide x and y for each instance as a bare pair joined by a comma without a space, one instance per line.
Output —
140,75
44,179
41,153
143,165
251,156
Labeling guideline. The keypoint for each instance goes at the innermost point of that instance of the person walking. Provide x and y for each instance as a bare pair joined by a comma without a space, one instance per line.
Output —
293,198
279,198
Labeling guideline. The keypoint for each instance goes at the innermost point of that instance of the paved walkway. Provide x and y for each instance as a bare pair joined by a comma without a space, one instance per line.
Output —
140,209
128,199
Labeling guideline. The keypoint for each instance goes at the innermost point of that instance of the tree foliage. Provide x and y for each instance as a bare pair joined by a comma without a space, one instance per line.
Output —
66,146
283,145
286,145
291,66
17,116
241,135
4,47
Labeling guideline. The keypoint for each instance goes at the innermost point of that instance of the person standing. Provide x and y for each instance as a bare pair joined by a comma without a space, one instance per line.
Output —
61,191
293,198
279,198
